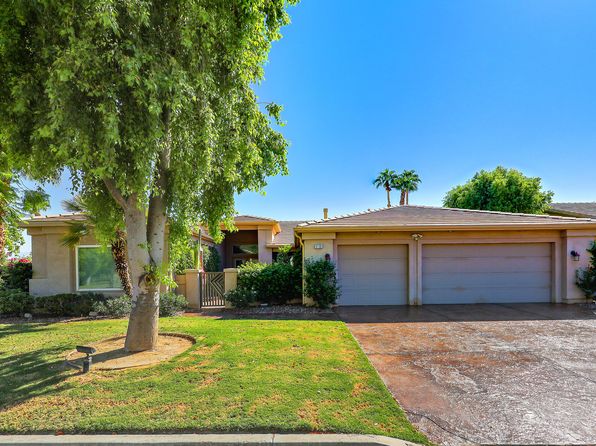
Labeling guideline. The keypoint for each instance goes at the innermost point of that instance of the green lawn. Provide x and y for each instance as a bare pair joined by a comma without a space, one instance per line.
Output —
242,375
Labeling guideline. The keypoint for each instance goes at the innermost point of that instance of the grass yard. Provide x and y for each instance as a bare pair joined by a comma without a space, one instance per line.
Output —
242,375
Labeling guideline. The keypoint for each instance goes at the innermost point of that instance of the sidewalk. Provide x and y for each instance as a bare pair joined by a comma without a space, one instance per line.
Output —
205,440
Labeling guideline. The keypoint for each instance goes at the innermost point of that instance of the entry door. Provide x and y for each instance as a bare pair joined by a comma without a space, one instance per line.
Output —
486,273
373,274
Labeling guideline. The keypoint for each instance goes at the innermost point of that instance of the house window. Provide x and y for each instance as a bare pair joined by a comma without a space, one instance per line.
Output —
96,270
238,262
246,249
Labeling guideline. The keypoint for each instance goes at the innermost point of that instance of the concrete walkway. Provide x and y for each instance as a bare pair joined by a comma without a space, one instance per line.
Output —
205,440
487,374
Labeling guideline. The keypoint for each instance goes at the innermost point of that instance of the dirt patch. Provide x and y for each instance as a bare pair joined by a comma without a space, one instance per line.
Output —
111,355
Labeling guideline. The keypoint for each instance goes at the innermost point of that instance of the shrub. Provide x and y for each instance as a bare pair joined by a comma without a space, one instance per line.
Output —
113,307
275,283
15,302
211,259
15,274
241,297
320,282
67,304
586,277
171,304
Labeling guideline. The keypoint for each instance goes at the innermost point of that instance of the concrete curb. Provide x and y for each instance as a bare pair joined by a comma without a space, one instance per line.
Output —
205,440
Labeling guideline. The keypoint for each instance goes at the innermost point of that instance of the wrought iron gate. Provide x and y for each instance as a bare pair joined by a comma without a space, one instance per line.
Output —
211,290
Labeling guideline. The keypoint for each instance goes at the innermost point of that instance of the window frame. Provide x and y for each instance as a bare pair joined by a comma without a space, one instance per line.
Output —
77,272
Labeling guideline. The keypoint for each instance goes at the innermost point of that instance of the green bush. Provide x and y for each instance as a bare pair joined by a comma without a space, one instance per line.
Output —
113,307
586,277
171,304
241,297
67,304
274,284
211,259
15,302
15,274
320,282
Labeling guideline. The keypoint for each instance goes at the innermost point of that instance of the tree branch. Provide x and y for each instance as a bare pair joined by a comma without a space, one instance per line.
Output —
115,192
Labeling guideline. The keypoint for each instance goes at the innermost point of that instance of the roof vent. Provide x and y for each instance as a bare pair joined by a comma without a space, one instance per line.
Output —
325,213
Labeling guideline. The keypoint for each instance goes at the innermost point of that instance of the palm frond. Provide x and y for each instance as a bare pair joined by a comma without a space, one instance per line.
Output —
76,231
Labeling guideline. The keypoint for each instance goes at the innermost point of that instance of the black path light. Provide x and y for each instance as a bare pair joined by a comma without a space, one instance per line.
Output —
86,360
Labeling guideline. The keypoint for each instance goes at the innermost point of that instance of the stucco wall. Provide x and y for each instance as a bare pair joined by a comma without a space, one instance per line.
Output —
54,265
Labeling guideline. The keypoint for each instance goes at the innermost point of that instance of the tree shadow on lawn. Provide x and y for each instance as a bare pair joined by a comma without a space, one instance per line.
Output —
231,314
31,374
7,329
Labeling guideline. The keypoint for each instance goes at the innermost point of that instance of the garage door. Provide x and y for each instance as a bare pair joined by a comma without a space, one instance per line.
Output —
499,273
373,274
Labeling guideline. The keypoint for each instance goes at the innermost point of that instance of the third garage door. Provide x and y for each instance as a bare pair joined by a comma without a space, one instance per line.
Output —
373,274
486,273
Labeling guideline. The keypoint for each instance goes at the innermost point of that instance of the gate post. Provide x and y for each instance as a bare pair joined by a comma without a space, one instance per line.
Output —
230,281
192,288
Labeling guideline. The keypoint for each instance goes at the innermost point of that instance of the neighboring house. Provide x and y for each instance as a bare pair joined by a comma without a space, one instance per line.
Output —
412,255
89,267
585,209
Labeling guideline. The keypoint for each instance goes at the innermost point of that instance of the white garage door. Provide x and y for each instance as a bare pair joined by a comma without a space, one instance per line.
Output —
373,274
486,273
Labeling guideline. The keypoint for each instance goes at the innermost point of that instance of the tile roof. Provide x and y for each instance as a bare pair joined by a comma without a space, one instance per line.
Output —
252,219
57,218
412,216
286,236
580,209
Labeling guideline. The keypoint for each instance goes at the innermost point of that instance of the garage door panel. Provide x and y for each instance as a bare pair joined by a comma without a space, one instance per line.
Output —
493,280
492,264
486,273
381,266
373,274
489,250
500,295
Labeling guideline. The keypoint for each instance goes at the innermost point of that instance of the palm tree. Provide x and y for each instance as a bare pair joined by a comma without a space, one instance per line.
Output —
407,182
387,179
79,229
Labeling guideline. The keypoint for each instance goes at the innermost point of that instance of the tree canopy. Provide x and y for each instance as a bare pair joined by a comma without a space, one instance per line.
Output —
505,190
149,103
16,200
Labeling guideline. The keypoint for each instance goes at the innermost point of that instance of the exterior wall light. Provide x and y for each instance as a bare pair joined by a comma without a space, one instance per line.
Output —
318,246
575,255
328,257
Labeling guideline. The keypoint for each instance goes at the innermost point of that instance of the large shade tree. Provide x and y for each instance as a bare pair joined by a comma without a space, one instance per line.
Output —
149,100
501,189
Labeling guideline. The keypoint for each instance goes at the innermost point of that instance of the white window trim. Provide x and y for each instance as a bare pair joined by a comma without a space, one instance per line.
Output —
77,271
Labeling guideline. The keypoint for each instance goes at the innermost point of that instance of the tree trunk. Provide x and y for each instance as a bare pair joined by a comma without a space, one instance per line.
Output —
2,242
407,196
388,197
143,323
402,198
119,255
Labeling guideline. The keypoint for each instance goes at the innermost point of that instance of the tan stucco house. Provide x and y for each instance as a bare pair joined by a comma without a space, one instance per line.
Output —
413,255
404,255
89,268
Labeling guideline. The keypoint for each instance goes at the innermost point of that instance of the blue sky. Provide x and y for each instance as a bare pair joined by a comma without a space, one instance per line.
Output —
442,87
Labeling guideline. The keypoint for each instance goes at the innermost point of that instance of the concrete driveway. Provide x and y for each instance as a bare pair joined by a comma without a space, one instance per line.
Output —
487,374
